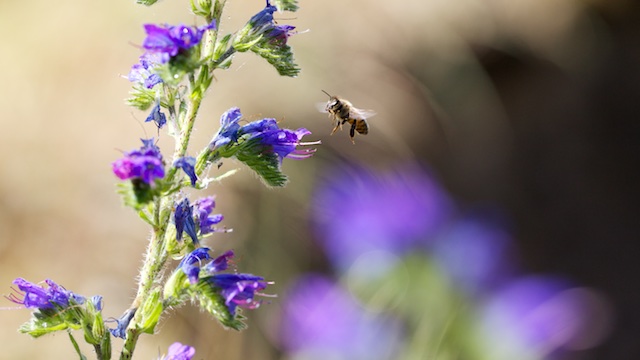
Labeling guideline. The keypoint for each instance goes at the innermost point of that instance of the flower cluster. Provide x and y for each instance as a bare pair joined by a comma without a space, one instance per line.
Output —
269,40
263,134
198,269
186,221
262,145
167,41
182,60
37,297
145,164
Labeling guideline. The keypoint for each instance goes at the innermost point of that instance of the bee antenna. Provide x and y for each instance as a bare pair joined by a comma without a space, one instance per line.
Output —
326,93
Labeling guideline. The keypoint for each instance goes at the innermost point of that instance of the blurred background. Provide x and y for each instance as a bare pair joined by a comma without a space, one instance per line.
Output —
491,213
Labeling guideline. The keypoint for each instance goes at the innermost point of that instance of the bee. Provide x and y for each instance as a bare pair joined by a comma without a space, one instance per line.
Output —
342,111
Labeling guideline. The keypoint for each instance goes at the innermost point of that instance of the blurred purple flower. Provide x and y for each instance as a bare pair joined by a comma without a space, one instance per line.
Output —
145,163
178,351
362,211
321,320
537,316
476,253
37,297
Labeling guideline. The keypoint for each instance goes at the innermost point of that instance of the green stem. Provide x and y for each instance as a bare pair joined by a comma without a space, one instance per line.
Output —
156,255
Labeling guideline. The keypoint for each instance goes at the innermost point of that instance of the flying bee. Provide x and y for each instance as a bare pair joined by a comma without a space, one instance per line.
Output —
342,111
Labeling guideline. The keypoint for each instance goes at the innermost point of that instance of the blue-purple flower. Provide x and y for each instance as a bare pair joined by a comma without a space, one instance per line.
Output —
239,289
178,351
38,297
236,289
263,24
228,132
187,164
203,208
120,331
157,116
143,72
261,136
145,164
167,41
283,142
191,263
183,220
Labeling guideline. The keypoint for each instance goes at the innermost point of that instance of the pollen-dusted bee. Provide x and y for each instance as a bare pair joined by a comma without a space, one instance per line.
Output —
342,111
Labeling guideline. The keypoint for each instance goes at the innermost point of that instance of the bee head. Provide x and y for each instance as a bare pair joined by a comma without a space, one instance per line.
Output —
333,103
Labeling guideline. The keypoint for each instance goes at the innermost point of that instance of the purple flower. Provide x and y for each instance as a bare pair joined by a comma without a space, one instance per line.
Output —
361,211
183,220
238,289
218,264
190,265
283,142
143,73
37,297
540,316
177,351
157,116
167,41
120,330
264,17
476,253
203,208
280,33
262,24
264,134
228,133
145,164
320,319
187,164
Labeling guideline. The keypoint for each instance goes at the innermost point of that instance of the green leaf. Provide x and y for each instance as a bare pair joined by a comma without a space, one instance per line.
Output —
286,5
266,165
146,2
278,55
213,303
141,97
76,347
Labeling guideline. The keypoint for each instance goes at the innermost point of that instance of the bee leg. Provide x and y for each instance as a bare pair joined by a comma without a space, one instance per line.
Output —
352,132
335,128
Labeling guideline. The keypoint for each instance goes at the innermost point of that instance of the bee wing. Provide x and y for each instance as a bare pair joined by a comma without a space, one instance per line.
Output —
322,107
356,113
